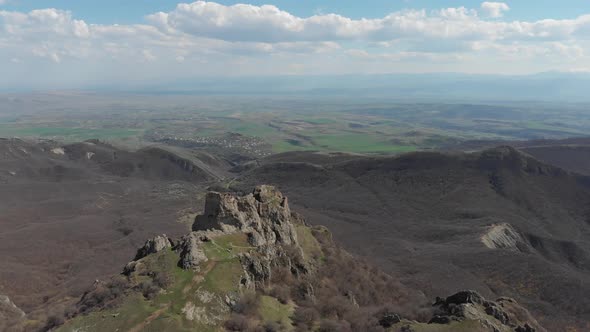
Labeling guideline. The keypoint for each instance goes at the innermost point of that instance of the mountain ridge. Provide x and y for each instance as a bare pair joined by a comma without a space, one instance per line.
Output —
433,209
276,241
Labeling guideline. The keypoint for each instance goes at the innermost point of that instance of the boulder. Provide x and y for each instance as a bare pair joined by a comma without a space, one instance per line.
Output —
467,296
525,328
153,246
388,319
496,311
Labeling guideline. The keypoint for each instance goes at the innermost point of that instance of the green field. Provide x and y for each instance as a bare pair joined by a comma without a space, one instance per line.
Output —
283,124
359,143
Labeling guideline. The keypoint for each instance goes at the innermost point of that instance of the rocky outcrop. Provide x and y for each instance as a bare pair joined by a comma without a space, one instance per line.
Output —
189,248
264,215
191,251
503,236
257,270
502,315
259,264
153,246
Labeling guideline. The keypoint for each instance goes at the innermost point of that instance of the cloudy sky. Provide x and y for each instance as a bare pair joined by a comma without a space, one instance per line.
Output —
78,42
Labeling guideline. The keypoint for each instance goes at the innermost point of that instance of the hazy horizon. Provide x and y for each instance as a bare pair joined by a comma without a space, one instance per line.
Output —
487,88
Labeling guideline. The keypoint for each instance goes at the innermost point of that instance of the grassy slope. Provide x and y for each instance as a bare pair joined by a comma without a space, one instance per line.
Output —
464,326
165,311
135,309
271,310
310,246
218,277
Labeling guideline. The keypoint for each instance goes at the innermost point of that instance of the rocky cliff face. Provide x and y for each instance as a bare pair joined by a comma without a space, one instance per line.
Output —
250,255
264,215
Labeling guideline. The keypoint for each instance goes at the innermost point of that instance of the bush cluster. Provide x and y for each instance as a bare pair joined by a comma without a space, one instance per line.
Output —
345,293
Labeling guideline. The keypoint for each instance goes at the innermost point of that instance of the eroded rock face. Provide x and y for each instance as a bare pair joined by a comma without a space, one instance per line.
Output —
264,215
258,265
501,315
191,251
257,269
153,246
503,236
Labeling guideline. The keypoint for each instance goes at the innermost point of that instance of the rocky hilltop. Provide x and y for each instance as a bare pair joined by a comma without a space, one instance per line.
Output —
251,264
497,221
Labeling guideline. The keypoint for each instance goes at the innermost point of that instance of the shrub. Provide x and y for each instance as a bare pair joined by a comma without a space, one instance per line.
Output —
104,295
281,293
53,321
247,305
149,290
334,326
239,323
162,279
273,327
305,318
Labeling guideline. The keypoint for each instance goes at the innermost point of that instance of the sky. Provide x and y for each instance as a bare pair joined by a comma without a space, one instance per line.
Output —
79,43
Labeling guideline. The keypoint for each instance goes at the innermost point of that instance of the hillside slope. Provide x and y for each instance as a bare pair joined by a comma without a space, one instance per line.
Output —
499,222
73,213
250,264
570,157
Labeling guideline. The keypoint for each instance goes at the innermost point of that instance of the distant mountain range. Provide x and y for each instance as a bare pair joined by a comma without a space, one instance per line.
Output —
551,86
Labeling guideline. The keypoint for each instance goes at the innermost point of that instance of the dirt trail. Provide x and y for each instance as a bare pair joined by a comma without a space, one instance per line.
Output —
139,327
200,276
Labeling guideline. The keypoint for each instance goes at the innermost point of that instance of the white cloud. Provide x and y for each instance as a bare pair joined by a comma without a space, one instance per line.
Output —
269,24
242,39
494,9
